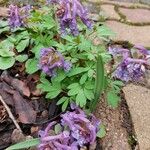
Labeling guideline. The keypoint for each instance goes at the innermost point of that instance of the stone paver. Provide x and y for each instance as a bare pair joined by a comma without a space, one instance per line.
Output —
134,34
127,4
109,12
136,15
138,100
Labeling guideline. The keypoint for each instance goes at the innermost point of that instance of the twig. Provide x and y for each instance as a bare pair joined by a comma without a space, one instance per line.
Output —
10,114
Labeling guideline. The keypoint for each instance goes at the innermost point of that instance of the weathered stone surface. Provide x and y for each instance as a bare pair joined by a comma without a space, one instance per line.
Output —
136,15
138,100
121,3
109,12
133,34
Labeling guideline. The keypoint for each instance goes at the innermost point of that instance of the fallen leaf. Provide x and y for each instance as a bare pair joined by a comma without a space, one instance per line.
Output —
11,94
16,84
24,109
21,87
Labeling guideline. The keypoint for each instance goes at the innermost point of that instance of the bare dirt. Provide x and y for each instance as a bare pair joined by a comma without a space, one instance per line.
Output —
118,126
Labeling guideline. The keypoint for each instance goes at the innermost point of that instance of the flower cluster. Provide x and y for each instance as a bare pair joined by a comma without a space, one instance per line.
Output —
18,16
68,12
77,131
51,60
131,68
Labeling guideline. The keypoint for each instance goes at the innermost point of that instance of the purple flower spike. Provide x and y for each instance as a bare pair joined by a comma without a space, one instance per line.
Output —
68,12
18,16
51,60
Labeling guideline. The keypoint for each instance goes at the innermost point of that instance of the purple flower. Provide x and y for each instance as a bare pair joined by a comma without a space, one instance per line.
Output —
18,16
130,69
82,129
117,50
142,49
51,60
78,130
68,12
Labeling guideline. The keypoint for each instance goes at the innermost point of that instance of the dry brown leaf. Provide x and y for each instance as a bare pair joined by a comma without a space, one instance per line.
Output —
16,84
24,109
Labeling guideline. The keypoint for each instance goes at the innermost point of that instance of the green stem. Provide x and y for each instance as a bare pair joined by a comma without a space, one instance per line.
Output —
99,82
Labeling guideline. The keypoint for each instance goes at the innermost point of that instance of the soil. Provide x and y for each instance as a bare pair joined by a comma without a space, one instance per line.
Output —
119,128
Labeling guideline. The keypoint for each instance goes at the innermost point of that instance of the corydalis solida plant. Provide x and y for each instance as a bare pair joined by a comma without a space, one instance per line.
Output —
131,68
18,16
68,12
51,60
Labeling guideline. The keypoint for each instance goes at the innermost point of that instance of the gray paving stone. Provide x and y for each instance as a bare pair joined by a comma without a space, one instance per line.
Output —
134,34
138,100
136,15
109,12
121,3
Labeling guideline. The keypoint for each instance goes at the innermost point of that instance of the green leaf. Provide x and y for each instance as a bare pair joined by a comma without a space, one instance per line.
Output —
119,83
65,105
102,132
53,94
21,58
6,45
61,76
3,23
25,144
74,91
6,53
99,82
105,31
5,29
36,50
85,44
89,94
45,85
62,100
113,99
81,99
31,66
89,85
83,79
22,45
73,86
57,128
6,62
76,71
91,73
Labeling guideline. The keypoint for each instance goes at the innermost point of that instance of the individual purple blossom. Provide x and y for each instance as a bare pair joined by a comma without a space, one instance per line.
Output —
18,16
117,50
51,60
68,12
142,49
